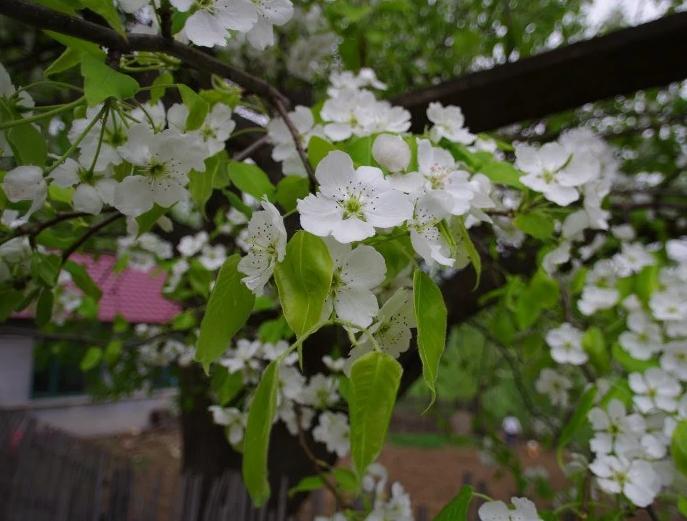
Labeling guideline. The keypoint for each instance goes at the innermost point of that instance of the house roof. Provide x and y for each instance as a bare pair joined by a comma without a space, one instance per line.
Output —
133,294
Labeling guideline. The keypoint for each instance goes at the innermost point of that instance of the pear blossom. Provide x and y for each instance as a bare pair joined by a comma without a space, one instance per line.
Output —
396,508
209,24
391,152
189,245
674,359
524,510
556,257
333,430
26,183
346,80
391,329
284,147
214,131
212,257
286,412
320,392
15,254
448,123
101,153
233,419
242,357
643,339
7,90
93,189
425,235
632,258
636,479
266,244
669,305
655,389
595,298
291,383
555,385
566,345
356,272
163,162
615,430
351,203
553,171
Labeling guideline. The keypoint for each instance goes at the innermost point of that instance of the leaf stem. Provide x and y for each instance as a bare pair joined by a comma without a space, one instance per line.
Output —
44,115
364,330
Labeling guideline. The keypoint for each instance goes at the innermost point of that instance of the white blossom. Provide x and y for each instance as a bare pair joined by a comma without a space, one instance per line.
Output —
566,345
333,430
448,123
524,510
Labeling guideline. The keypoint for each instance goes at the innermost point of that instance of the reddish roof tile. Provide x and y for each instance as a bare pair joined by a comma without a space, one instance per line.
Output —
135,295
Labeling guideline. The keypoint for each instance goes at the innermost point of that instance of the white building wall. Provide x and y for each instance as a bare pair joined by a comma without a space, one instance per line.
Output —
77,414
16,370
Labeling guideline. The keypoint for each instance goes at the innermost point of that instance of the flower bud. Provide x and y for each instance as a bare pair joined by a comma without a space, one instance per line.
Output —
391,152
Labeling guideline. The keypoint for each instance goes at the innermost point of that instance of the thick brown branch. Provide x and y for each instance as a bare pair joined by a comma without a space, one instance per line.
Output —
281,109
44,18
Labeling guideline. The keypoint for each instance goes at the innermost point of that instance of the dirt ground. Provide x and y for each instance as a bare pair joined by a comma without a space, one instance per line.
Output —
431,474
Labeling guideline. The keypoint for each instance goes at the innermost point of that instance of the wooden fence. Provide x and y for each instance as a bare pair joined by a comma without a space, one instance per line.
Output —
48,475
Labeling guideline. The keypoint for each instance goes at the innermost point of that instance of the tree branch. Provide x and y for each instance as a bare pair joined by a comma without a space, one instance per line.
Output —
91,231
281,109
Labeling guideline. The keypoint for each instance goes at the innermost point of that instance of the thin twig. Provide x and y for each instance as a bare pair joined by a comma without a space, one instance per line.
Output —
281,109
88,234
250,149
317,464
83,340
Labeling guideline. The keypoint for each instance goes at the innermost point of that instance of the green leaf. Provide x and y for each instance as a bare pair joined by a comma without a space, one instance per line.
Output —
544,289
349,50
303,280
318,149
65,61
91,359
62,7
28,144
594,344
630,363
502,173
113,351
473,254
201,183
375,378
106,9
184,321
257,437
45,267
9,300
228,386
83,280
274,330
578,419
82,46
251,179
307,484
227,311
346,479
197,107
537,224
682,505
157,90
44,307
360,151
431,316
147,220
290,189
102,82
457,508
678,447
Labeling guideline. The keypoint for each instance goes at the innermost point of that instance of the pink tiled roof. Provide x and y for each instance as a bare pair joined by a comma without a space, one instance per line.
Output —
135,295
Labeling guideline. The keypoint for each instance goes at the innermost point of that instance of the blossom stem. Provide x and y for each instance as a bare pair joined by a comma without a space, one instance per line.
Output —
370,336
248,130
77,141
57,84
299,342
44,115
100,143
482,496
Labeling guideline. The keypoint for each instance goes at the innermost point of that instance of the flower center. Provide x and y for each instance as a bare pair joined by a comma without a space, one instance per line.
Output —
549,177
156,169
353,207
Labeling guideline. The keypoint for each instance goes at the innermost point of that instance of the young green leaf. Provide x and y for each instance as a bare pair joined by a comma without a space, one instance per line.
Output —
584,404
303,280
44,307
107,10
502,173
257,437
375,378
251,179
537,224
457,508
431,317
102,82
473,254
594,344
147,220
9,300
45,267
678,447
307,484
28,145
91,359
229,307
290,189
318,148
83,280
197,107
201,183
157,90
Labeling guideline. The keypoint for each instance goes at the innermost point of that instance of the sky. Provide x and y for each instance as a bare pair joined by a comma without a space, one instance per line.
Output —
636,11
